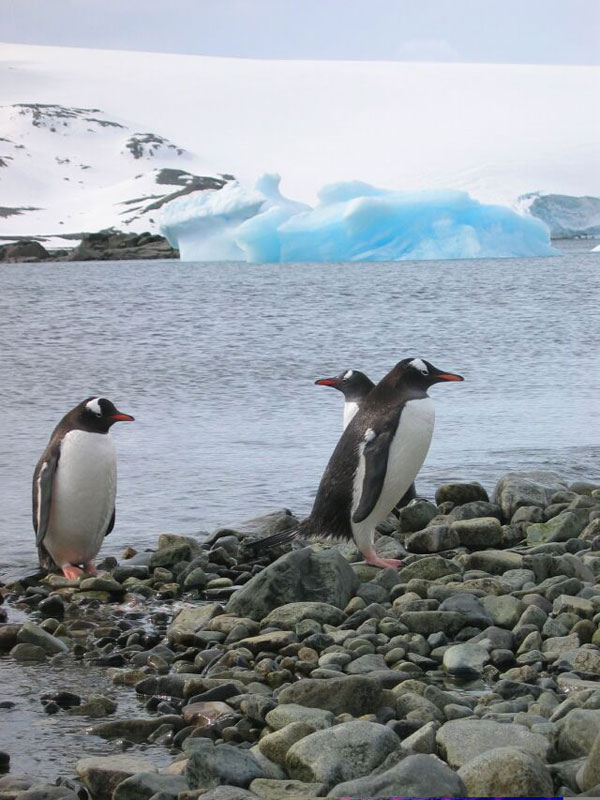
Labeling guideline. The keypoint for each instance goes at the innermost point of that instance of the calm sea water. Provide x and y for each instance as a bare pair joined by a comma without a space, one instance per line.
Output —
217,363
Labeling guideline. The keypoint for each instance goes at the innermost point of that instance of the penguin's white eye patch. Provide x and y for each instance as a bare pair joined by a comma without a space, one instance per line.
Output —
419,364
94,407
348,375
369,435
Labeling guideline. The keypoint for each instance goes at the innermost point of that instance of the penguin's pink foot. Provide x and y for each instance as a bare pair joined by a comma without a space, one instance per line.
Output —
373,559
89,567
71,572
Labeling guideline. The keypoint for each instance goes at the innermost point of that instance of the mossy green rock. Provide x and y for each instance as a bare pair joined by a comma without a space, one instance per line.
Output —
561,528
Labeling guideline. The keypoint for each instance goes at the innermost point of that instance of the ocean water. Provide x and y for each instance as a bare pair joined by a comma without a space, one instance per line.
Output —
217,363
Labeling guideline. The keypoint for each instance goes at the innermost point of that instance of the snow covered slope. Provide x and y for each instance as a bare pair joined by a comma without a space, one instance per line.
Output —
567,217
66,170
497,131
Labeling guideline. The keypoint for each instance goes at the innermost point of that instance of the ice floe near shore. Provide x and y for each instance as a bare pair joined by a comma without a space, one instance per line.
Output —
353,221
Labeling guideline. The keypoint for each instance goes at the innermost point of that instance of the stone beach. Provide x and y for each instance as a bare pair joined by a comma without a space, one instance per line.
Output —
472,670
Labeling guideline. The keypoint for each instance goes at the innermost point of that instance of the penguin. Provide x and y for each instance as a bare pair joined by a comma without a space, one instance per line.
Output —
74,488
375,461
355,386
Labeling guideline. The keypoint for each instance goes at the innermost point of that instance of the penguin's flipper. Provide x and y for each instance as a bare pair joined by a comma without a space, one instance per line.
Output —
43,482
375,455
111,524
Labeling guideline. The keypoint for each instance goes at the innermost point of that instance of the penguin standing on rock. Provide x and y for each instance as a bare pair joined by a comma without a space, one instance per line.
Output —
355,386
376,460
74,488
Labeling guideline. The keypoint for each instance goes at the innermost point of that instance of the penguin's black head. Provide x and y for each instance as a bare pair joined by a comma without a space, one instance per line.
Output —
97,414
418,372
353,384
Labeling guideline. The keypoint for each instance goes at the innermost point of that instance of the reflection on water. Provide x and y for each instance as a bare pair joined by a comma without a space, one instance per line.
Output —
217,363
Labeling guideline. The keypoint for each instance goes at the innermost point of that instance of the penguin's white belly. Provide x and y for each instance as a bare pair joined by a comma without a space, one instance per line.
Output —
83,497
408,450
350,410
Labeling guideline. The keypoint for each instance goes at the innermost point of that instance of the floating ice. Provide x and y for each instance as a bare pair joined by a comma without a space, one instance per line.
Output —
352,222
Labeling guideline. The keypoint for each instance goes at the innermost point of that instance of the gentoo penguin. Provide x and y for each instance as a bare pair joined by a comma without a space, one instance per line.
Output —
355,386
74,487
375,461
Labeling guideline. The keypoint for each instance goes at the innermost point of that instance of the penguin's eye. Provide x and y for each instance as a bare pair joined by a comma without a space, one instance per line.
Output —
424,371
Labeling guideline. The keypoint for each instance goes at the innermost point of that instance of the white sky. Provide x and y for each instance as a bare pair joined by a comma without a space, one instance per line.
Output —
500,31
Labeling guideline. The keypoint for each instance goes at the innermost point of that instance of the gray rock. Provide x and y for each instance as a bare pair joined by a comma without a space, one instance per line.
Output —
353,694
460,493
475,510
269,789
527,514
341,753
210,766
428,622
434,539
288,615
583,659
225,793
534,488
429,568
466,660
28,653
478,532
145,784
423,739
276,745
507,771
414,776
190,620
589,775
136,730
286,713
364,665
561,528
171,554
299,576
420,708
46,791
31,633
577,732
496,562
416,515
463,739
574,605
102,774
591,531
471,608
505,610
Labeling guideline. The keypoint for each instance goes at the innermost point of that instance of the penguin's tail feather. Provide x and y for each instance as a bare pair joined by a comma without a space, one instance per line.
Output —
277,539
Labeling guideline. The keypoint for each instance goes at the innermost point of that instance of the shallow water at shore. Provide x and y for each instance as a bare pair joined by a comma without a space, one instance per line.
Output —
217,363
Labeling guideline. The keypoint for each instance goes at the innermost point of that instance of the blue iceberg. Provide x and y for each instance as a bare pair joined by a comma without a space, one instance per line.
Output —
353,221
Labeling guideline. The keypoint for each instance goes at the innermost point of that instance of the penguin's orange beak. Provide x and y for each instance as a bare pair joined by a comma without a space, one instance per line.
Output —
327,382
119,417
448,376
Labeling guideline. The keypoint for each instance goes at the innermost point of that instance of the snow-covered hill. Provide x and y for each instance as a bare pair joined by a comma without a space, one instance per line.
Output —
496,131
567,217
68,170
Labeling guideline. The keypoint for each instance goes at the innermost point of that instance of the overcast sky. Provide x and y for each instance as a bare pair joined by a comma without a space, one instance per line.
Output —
504,31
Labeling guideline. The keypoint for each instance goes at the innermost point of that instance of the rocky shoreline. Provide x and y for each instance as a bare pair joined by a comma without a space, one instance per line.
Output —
102,246
473,670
